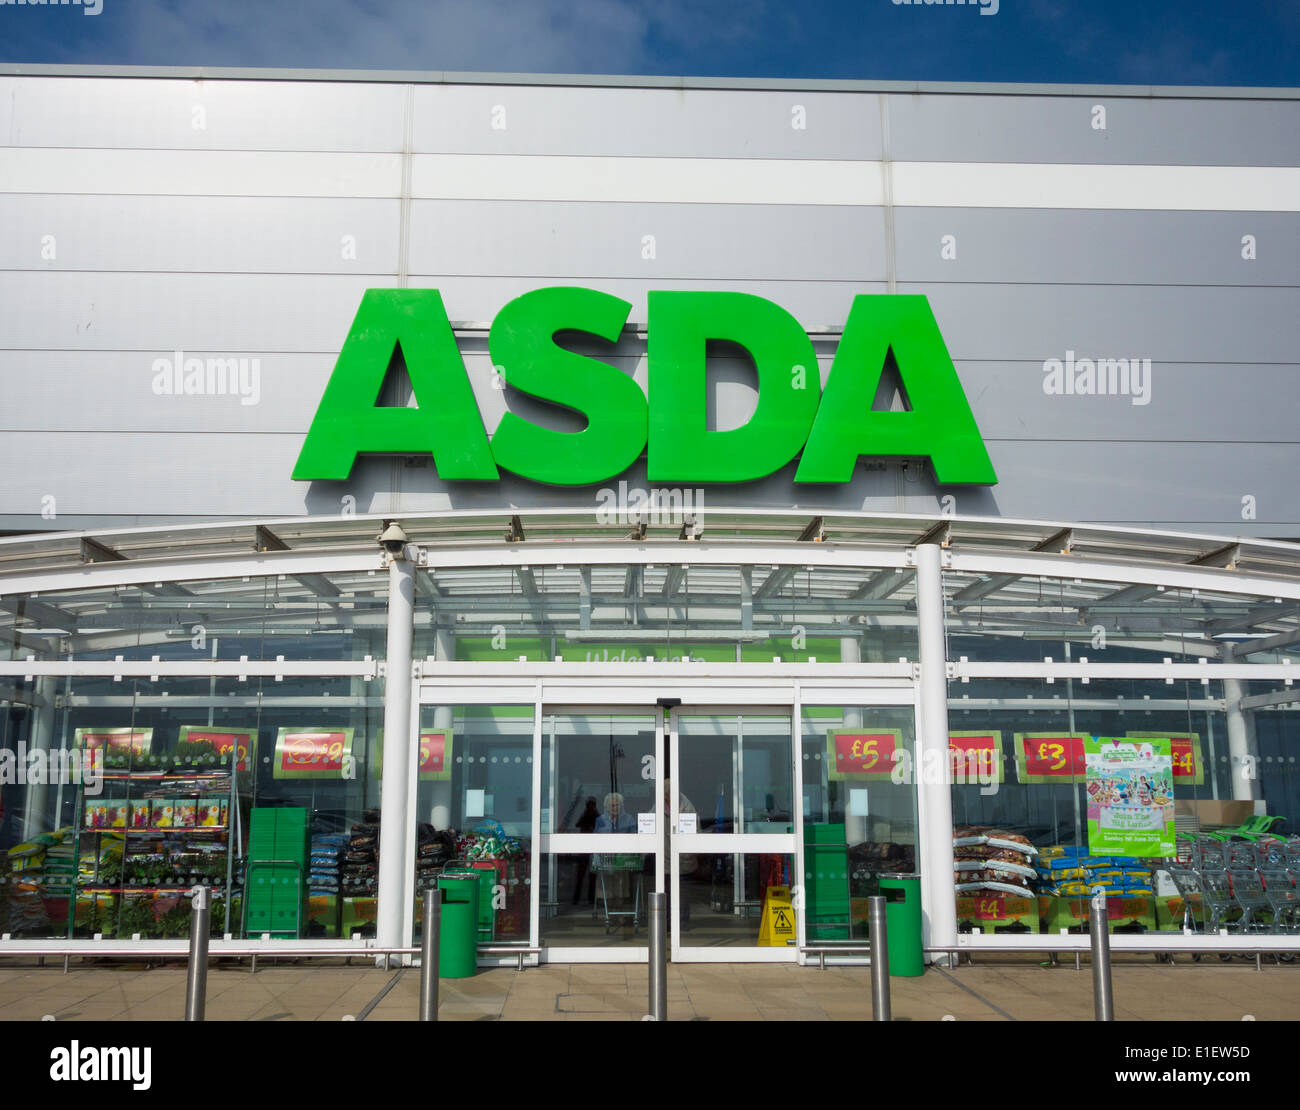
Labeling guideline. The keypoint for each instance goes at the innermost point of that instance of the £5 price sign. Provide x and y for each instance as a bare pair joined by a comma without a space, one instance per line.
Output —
435,755
862,754
1049,757
302,753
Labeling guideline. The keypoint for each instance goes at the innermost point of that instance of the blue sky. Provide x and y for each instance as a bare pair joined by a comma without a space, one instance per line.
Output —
1161,42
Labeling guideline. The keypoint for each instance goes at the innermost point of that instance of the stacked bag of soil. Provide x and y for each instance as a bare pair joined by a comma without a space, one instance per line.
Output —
326,848
992,859
359,871
433,851
1068,871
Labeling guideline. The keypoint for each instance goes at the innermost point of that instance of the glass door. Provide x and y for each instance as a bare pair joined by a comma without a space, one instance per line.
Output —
730,802
601,830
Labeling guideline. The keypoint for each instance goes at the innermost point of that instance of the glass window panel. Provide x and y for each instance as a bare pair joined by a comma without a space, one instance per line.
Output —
723,898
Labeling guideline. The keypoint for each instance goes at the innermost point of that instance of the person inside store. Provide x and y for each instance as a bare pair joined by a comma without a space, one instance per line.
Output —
586,823
615,819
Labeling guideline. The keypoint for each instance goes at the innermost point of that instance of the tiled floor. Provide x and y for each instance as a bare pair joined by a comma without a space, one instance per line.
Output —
618,992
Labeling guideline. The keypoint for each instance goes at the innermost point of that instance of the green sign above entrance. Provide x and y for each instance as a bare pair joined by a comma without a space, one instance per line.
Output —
833,428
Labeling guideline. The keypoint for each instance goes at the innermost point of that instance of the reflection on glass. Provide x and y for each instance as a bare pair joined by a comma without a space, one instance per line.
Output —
736,900
595,900
735,769
858,821
600,762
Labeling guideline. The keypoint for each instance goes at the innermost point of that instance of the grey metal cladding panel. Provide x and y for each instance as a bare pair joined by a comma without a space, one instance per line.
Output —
1162,323
72,391
1059,129
254,314
812,303
1185,402
213,115
120,474
1095,247
778,242
1168,484
458,119
200,234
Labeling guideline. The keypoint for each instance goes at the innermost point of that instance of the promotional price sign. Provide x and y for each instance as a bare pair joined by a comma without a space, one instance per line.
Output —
137,741
225,740
1185,750
1130,796
302,753
435,755
976,757
862,755
1049,756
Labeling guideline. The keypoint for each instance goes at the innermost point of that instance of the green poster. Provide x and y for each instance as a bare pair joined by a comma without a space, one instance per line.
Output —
1130,782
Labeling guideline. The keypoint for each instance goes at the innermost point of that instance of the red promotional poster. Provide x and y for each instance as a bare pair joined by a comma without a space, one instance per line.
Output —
1049,756
861,754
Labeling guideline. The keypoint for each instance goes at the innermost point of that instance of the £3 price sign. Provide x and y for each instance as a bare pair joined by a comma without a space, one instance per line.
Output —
312,753
862,754
1049,757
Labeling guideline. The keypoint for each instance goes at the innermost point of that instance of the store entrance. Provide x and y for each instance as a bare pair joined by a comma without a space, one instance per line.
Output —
695,802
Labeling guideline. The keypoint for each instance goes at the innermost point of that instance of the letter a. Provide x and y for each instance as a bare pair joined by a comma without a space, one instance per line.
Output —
446,422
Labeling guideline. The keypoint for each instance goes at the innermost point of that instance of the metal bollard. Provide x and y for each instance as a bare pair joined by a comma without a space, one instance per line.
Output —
196,980
1103,999
430,938
658,957
880,1010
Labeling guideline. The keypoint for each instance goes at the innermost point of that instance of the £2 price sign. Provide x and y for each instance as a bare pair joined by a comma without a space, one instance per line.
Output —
312,753
226,740
862,754
1049,757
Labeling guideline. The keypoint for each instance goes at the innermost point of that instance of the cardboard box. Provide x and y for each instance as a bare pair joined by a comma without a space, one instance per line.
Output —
1215,814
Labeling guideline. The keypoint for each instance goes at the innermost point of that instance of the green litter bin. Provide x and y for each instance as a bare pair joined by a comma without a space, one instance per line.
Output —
902,894
458,940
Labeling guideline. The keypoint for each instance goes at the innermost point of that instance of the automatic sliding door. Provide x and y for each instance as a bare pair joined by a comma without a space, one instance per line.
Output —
600,822
732,835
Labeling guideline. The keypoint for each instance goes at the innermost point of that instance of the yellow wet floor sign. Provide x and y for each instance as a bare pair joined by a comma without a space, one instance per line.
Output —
777,927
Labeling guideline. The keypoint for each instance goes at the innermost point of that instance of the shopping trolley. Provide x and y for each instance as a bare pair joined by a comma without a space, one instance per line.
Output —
624,872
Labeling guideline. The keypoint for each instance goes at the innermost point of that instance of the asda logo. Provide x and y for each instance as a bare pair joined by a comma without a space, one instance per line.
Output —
828,430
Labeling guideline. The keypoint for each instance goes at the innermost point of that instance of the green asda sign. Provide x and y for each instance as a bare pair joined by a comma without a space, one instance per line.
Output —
832,428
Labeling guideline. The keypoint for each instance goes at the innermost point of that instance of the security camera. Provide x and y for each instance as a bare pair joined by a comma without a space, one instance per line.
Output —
392,539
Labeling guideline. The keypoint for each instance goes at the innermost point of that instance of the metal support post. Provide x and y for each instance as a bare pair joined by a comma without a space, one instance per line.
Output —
880,1009
658,957
429,941
397,750
196,980
1103,999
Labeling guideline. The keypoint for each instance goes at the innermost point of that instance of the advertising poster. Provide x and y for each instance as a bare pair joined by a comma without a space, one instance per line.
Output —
242,740
975,757
1185,748
435,754
1130,784
302,753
